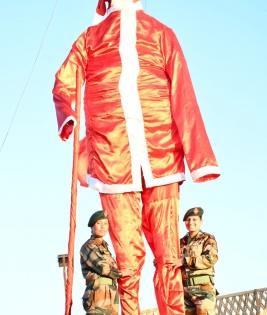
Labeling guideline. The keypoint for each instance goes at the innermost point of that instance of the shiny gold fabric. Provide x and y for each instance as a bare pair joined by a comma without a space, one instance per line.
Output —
154,212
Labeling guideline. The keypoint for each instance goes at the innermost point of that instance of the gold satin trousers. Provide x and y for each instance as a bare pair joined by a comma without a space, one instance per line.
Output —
154,212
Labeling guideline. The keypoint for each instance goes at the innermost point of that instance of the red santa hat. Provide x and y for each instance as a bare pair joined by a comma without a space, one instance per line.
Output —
101,7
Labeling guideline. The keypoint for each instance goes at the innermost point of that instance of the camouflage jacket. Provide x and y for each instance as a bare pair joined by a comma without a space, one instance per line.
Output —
96,260
199,254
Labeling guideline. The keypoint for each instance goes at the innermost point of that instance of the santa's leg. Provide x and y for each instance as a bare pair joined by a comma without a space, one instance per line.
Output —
124,215
160,225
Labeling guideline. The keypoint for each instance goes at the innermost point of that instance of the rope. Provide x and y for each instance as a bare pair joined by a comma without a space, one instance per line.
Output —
28,80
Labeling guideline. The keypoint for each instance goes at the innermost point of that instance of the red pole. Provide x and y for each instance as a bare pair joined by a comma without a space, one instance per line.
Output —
73,205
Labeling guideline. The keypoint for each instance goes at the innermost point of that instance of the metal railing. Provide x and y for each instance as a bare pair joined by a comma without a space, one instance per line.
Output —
252,302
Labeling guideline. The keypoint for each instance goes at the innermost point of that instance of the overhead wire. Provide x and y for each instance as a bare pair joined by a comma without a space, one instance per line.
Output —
28,80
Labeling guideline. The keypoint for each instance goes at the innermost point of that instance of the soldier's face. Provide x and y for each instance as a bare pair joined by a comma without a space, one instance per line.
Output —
193,223
100,228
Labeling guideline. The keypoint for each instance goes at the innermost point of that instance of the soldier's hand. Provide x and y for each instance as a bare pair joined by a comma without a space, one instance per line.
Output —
105,270
114,274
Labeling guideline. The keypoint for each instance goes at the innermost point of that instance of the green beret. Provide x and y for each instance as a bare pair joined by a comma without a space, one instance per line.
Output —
98,215
197,211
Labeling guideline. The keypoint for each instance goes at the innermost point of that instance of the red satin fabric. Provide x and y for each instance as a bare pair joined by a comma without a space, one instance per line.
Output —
154,212
173,127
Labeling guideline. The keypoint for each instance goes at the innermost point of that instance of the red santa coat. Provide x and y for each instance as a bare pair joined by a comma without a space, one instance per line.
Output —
141,113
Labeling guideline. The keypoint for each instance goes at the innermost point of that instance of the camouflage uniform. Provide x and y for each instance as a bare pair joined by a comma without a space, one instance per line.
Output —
100,272
200,255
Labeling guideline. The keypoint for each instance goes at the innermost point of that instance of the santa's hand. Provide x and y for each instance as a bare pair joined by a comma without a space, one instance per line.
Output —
67,130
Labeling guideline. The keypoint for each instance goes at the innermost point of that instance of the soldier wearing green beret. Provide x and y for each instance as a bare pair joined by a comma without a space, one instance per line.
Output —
200,253
99,270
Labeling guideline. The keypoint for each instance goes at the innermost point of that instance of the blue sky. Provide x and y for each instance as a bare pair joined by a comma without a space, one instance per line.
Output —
225,45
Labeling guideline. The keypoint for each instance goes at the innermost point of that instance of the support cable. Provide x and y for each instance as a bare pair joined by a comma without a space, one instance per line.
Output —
28,80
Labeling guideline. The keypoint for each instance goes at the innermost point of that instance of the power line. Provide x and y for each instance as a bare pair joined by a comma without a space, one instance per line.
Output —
29,75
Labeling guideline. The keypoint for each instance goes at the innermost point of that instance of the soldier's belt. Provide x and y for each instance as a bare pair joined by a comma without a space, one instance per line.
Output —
197,280
104,280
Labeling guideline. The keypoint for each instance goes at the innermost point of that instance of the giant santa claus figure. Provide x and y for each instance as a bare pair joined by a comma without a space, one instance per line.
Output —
142,123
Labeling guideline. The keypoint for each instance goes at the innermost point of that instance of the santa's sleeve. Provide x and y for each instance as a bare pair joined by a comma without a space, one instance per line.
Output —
198,153
64,91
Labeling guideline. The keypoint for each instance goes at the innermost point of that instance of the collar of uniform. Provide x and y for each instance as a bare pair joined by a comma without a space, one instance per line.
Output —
189,239
97,241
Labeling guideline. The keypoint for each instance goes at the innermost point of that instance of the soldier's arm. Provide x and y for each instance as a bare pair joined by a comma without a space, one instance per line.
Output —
91,276
87,263
97,263
208,257
108,270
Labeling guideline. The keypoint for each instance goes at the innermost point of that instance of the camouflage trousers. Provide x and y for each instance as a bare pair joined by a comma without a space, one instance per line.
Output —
200,299
103,300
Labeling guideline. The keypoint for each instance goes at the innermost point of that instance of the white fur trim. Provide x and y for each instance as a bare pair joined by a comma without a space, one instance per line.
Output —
66,121
130,99
122,4
101,187
203,171
175,178
98,19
